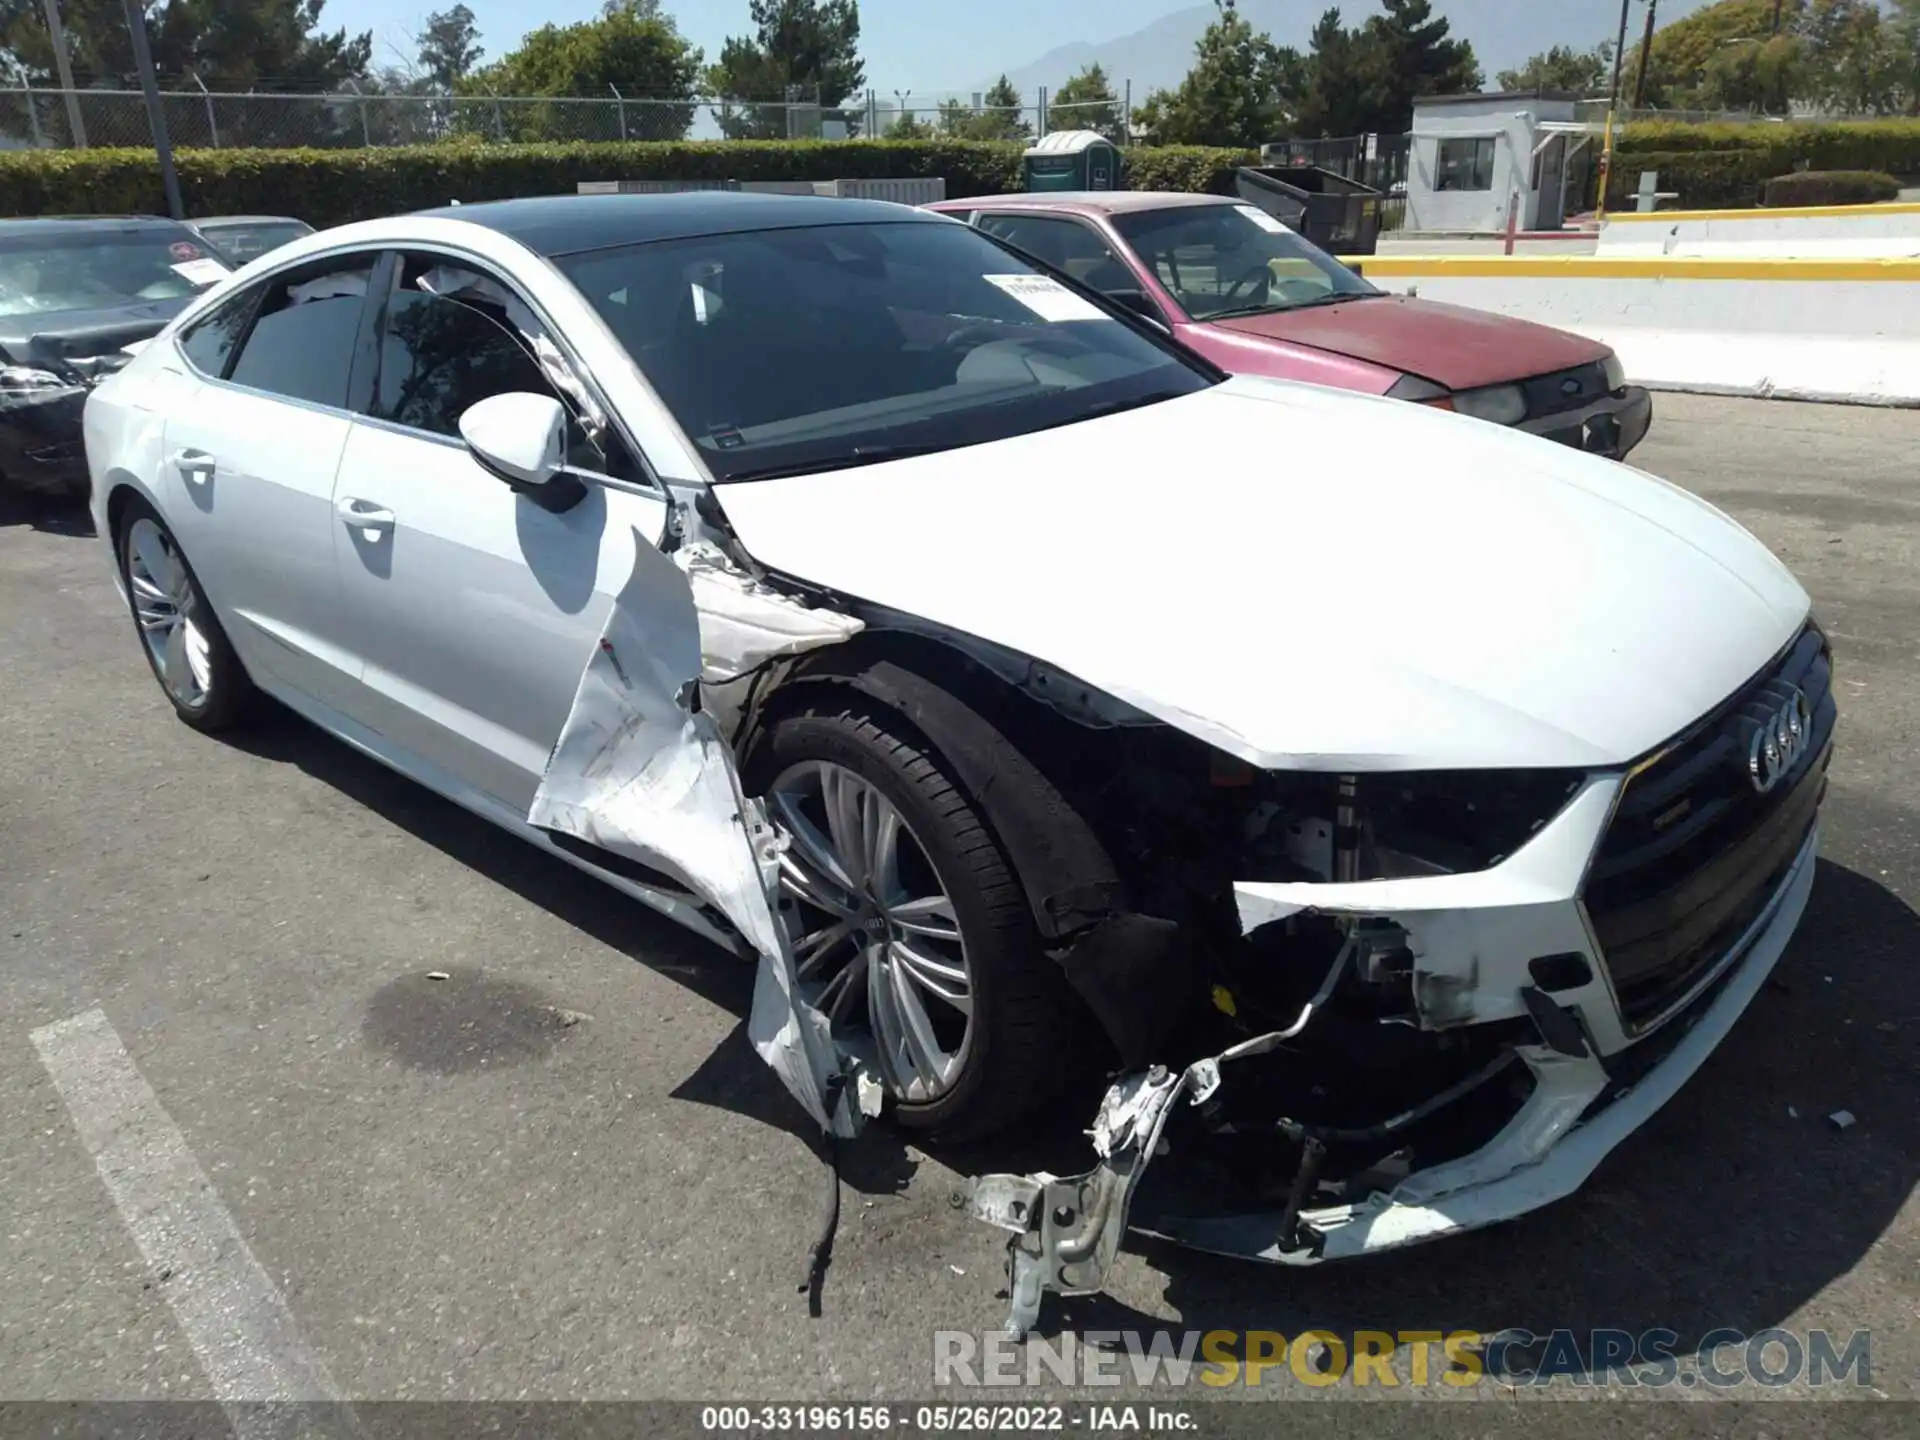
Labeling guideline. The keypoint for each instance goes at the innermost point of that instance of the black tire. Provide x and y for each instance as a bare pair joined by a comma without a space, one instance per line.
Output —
229,695
1023,1010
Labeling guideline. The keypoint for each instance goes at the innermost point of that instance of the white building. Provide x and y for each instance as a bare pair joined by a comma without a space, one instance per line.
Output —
1473,154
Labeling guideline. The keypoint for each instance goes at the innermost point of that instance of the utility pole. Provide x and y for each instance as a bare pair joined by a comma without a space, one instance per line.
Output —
1613,104
64,66
156,115
1646,56
1619,54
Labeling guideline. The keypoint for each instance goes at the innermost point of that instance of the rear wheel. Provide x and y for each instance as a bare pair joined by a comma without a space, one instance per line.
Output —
908,928
188,651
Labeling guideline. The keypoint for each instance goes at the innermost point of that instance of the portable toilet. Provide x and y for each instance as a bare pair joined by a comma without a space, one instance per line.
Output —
1073,160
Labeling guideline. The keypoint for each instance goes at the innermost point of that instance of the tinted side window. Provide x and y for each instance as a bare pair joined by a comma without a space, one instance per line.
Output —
302,344
209,342
439,356
1068,246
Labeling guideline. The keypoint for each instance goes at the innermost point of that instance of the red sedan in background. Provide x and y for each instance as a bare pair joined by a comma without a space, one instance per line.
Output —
1235,284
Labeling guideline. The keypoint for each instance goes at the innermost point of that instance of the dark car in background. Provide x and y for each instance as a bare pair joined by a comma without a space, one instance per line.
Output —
73,294
240,238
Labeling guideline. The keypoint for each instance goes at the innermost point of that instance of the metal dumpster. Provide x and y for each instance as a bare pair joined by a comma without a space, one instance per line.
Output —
1337,214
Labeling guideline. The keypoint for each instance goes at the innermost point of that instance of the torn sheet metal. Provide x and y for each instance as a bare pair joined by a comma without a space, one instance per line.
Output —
640,772
744,623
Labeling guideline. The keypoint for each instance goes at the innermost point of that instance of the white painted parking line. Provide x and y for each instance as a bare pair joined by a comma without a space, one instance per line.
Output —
233,1315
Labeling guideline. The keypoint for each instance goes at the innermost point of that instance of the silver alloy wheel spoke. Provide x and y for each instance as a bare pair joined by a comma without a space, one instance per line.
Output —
873,933
935,976
166,607
930,915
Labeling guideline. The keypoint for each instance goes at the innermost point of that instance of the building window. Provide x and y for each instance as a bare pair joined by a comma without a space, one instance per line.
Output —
1465,165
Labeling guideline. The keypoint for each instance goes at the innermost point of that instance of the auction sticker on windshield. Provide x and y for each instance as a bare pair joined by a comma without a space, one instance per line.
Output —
1046,297
204,271
1263,220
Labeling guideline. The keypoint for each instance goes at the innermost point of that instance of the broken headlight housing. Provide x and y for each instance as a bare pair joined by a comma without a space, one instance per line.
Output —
21,384
1451,822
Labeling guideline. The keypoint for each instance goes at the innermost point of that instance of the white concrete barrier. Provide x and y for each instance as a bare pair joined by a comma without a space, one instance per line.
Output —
1826,232
1838,330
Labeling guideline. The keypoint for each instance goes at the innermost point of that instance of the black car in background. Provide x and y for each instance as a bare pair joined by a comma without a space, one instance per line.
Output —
73,293
240,238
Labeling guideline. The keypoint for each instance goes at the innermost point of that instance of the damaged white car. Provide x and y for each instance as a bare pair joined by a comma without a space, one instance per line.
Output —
1400,807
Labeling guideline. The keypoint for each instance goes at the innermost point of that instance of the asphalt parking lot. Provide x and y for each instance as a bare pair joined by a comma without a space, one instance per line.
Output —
561,1173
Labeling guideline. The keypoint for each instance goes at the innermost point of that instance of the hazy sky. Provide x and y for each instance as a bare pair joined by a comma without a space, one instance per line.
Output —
924,45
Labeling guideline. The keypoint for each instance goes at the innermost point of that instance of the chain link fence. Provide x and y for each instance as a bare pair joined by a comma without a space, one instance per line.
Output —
54,119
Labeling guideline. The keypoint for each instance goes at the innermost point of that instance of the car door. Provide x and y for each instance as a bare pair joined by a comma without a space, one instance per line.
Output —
473,608
257,419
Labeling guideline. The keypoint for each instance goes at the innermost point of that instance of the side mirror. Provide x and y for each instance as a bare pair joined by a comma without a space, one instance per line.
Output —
520,437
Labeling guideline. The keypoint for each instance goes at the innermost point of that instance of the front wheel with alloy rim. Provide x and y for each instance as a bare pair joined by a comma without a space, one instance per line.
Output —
183,642
908,928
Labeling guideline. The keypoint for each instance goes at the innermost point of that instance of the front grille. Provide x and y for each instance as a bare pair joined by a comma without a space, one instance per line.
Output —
1573,389
1694,851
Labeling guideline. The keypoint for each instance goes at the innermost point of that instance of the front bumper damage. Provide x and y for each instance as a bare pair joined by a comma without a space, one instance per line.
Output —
1589,1087
1514,1089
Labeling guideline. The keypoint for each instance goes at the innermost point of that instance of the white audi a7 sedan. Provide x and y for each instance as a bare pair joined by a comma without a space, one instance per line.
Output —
1416,800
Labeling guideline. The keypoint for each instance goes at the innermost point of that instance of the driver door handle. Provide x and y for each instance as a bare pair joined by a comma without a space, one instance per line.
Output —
196,465
359,514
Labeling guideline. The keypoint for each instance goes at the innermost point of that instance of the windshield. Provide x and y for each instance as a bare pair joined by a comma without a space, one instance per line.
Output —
103,270
241,241
1224,260
782,351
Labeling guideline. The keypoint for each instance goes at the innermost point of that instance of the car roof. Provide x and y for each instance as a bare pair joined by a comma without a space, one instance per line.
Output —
1087,202
568,224
246,220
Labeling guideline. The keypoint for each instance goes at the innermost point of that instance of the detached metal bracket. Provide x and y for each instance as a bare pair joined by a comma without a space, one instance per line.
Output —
1066,1232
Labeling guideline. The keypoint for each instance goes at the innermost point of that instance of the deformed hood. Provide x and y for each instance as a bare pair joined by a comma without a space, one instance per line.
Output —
54,339
1313,579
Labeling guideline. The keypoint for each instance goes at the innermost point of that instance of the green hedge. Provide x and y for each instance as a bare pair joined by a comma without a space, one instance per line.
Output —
1703,179
1713,166
1830,187
1891,146
329,187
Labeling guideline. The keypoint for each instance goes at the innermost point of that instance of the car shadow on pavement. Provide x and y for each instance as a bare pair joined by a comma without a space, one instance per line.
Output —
1732,1208
732,1077
38,512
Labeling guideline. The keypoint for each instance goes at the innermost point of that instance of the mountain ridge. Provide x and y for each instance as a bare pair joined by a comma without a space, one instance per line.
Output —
1505,34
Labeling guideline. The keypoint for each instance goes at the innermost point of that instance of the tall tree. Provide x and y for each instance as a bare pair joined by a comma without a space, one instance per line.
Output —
1905,27
998,118
1235,94
805,47
449,47
1340,93
1412,55
229,44
642,55
1087,102
1853,63
1684,49
1580,72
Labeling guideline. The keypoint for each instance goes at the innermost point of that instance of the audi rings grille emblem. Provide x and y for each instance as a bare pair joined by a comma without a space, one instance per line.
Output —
1778,743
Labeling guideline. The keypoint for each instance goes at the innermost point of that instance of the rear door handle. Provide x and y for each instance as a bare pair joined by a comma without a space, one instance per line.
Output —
196,465
356,514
